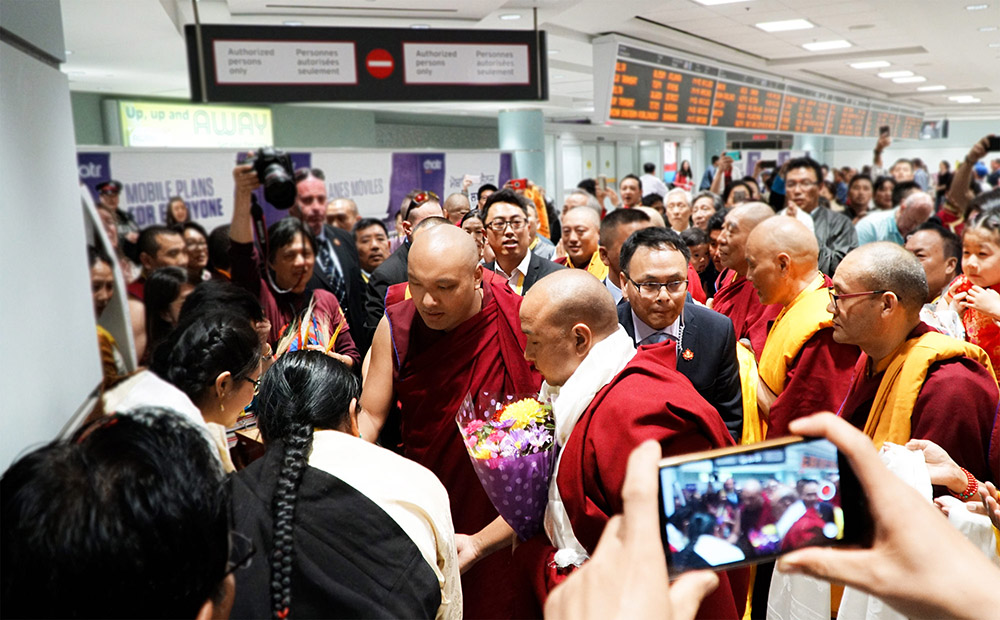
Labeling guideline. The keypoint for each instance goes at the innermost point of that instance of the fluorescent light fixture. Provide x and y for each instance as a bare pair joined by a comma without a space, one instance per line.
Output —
888,75
870,64
930,89
786,25
993,45
976,7
553,52
988,29
68,52
717,2
292,23
964,99
913,79
420,27
510,16
822,46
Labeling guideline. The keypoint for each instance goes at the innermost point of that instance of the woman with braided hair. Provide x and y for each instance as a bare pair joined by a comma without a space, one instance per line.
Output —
207,369
342,527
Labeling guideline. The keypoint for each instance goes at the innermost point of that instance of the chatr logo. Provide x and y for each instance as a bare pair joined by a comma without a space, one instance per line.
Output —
432,164
90,170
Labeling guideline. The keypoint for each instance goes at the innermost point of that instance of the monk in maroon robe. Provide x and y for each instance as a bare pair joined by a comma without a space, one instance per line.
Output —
735,296
457,334
956,400
618,399
802,369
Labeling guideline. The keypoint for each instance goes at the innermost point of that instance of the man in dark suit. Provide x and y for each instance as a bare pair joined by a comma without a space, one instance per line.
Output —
420,206
506,218
656,307
337,268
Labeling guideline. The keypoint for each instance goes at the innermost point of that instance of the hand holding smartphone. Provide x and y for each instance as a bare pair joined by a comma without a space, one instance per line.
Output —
738,506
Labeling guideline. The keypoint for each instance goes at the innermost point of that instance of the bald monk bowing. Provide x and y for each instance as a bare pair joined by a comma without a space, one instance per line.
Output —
735,296
458,333
802,368
912,382
607,399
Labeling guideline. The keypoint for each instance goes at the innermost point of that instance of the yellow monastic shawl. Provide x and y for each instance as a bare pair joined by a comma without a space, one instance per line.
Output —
754,428
889,418
596,267
797,323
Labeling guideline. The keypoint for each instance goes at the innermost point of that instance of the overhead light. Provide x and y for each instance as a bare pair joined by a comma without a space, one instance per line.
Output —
988,29
292,23
419,27
965,99
717,2
888,75
929,89
553,52
786,25
976,7
69,52
913,79
993,45
510,16
822,46
870,64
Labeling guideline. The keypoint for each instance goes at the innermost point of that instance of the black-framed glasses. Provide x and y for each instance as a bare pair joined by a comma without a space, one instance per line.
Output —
515,223
241,552
256,384
652,289
834,298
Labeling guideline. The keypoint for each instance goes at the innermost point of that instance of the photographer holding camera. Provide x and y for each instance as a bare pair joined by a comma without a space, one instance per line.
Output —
291,250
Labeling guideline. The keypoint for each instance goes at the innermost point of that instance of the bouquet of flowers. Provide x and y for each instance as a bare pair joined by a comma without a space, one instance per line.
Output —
510,440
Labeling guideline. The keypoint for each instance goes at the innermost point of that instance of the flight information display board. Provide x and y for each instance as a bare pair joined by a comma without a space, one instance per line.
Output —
637,84
746,102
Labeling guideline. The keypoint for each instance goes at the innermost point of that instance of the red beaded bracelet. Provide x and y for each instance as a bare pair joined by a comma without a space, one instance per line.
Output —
971,488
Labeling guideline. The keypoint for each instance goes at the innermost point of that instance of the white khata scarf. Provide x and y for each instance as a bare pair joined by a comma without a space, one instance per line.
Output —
603,363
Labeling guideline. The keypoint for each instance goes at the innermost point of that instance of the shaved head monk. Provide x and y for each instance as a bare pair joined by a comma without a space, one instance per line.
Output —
735,296
912,382
581,238
459,333
607,399
802,368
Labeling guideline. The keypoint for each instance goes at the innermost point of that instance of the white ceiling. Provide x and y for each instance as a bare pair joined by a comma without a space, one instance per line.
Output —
136,47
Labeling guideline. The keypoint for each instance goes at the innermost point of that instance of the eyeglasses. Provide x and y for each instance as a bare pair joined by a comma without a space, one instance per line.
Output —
515,223
652,289
834,298
802,184
256,384
241,552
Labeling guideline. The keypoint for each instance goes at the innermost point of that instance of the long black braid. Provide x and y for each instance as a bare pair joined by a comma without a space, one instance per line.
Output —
304,390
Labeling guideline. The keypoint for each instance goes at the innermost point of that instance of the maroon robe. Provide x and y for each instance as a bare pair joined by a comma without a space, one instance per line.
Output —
137,289
432,372
649,399
739,301
818,380
956,409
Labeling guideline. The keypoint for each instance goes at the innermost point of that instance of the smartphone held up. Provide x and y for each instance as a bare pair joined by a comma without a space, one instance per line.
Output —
738,506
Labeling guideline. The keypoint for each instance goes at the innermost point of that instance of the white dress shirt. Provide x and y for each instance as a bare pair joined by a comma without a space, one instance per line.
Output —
516,279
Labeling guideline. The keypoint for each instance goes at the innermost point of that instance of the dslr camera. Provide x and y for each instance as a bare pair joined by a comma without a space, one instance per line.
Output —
274,170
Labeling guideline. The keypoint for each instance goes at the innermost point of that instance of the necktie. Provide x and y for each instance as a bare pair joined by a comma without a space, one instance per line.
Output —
654,338
329,268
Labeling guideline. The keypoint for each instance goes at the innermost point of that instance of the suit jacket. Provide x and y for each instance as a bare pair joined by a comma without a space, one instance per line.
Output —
391,271
711,366
347,253
538,268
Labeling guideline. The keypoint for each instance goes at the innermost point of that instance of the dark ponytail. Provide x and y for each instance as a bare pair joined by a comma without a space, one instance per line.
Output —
304,390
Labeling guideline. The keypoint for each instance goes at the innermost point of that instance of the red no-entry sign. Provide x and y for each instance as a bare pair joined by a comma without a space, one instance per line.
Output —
379,63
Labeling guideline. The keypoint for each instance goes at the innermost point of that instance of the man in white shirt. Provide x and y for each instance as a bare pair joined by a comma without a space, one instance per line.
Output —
652,184
506,218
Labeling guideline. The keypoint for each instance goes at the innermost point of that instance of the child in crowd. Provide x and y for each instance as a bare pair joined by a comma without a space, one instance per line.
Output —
697,240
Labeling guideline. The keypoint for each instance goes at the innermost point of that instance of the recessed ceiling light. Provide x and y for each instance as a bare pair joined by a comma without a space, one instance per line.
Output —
870,64
976,7
965,99
993,45
822,46
419,27
927,89
785,25
510,16
716,2
913,79
888,75
988,29
292,22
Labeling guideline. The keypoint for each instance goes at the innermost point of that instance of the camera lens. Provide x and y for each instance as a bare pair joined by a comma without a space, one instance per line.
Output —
279,188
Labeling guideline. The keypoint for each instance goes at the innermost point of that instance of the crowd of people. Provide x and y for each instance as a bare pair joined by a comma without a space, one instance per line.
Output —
288,446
